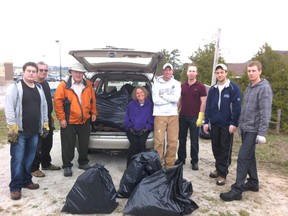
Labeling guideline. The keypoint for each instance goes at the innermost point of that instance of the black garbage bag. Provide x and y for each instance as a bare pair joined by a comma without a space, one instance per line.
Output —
187,188
93,192
160,194
143,164
112,108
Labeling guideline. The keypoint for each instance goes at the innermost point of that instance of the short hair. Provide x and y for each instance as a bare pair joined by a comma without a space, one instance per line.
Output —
33,64
42,63
146,93
255,63
192,64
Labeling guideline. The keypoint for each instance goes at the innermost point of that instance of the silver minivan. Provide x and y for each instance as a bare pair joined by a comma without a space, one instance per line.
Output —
114,72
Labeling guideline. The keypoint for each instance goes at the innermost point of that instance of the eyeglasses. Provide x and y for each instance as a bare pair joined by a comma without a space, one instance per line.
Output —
43,70
31,71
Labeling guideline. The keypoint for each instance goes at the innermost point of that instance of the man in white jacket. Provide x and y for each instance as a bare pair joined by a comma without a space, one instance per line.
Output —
166,93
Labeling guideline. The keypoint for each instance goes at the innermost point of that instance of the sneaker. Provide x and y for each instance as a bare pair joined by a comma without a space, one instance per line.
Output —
15,195
220,180
195,166
32,186
51,167
84,167
214,174
38,173
230,196
68,171
178,161
249,186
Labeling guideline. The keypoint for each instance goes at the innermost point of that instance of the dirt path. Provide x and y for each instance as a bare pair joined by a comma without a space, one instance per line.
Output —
272,199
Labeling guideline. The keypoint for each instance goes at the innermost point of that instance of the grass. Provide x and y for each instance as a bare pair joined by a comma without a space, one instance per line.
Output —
272,156
3,127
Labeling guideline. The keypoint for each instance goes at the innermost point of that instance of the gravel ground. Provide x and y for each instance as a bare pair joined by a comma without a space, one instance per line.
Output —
272,199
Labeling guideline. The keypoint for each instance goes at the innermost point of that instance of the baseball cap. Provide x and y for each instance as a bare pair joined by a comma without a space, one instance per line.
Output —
224,67
167,65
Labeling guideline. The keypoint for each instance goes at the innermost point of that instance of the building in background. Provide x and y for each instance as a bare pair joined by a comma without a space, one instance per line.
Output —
6,73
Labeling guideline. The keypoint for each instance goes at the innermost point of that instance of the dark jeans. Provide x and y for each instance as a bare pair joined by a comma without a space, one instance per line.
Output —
43,152
246,162
185,123
137,144
222,142
22,155
69,137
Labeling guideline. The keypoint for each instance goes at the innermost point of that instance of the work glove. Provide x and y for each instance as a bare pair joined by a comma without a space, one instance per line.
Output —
142,131
13,134
260,140
200,119
46,129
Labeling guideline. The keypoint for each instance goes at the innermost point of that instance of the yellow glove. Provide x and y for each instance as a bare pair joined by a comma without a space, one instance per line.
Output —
200,119
46,129
13,134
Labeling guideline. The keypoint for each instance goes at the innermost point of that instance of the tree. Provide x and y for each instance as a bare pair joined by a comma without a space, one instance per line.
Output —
275,70
203,59
173,58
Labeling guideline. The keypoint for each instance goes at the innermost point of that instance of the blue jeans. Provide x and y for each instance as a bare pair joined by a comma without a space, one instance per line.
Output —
22,156
246,162
185,123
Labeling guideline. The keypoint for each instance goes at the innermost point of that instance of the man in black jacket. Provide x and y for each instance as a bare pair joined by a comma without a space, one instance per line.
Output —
45,143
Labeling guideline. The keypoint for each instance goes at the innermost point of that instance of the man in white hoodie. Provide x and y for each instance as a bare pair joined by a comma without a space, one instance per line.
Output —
166,92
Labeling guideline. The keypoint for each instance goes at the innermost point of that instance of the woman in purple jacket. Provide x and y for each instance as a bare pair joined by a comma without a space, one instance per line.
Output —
138,121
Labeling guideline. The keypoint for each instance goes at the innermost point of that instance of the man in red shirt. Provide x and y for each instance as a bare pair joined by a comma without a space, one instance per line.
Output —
192,105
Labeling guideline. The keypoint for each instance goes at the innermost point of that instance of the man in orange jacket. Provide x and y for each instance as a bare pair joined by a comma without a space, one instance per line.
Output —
75,106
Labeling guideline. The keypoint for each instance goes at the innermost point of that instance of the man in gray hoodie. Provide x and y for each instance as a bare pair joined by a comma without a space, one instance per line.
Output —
254,122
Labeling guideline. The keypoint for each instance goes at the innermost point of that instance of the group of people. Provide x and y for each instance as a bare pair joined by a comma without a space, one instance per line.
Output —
28,111
178,108
173,110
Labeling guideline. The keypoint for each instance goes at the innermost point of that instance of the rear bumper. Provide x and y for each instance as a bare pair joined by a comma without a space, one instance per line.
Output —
114,142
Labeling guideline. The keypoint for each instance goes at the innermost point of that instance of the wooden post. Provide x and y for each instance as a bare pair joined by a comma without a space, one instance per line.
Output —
216,56
278,121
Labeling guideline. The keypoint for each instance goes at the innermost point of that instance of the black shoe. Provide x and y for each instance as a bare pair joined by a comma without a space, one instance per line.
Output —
214,174
195,166
178,161
68,171
84,167
249,186
230,196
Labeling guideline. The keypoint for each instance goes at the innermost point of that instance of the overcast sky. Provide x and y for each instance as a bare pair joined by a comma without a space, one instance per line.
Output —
29,28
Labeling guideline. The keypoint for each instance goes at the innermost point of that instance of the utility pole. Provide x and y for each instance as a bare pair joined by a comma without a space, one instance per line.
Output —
59,43
216,56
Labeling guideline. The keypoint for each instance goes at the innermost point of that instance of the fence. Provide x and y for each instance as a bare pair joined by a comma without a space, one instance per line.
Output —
277,122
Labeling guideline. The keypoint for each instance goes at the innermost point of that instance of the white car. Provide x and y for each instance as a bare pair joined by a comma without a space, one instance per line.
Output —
114,73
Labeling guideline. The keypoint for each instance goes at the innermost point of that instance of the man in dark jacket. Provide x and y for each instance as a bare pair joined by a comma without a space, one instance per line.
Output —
44,146
223,109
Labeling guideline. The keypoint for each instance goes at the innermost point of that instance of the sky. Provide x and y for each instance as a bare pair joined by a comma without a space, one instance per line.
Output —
30,28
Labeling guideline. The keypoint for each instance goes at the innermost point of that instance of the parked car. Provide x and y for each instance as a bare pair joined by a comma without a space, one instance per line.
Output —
114,73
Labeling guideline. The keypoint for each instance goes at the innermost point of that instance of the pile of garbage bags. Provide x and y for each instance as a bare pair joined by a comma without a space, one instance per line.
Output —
150,190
